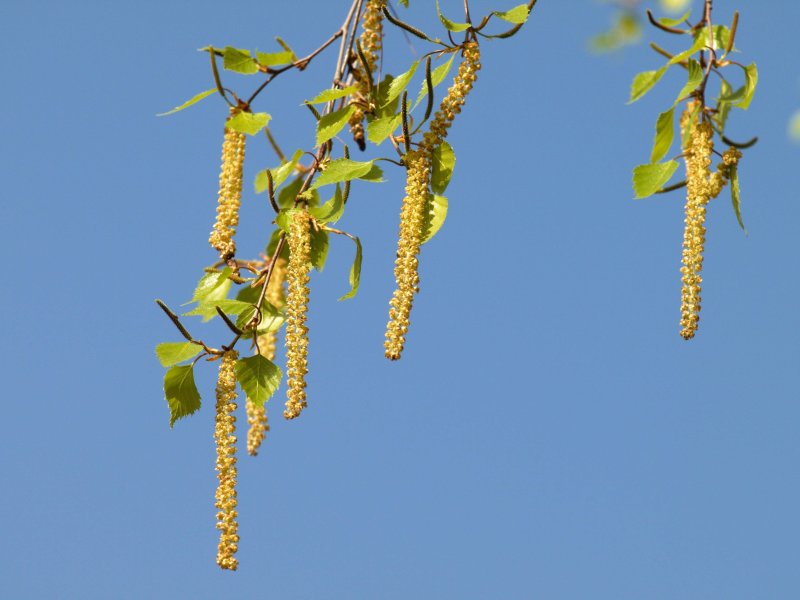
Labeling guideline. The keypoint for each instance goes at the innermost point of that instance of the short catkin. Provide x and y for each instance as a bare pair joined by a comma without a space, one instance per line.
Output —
297,278
267,343
230,194
415,203
225,438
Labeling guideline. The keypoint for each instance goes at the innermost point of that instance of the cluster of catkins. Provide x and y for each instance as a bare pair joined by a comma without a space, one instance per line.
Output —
701,186
418,164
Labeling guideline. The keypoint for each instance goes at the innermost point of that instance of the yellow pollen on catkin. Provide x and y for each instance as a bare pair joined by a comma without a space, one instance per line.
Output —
297,278
371,42
225,438
415,203
230,194
267,344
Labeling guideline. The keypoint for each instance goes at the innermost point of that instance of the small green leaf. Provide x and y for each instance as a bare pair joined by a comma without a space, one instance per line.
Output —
332,210
665,132
239,61
437,76
286,47
381,128
284,218
332,94
694,80
188,103
181,392
517,15
675,22
209,307
723,107
332,123
626,30
736,199
172,353
721,36
249,123
404,3
259,378
344,169
643,82
751,81
273,59
449,25
279,174
399,83
384,106
273,244
648,179
443,163
435,214
213,285
355,272
319,248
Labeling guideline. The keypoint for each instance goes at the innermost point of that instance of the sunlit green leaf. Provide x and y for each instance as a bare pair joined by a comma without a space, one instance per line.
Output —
665,131
437,76
355,272
344,169
517,15
259,378
648,179
319,248
399,83
272,59
675,22
643,82
279,174
240,61
381,128
332,123
172,353
332,210
385,107
181,392
213,285
435,214
450,25
736,199
249,123
443,163
694,80
189,102
332,94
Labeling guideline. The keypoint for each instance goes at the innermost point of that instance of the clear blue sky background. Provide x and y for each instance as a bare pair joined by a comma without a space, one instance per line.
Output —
547,433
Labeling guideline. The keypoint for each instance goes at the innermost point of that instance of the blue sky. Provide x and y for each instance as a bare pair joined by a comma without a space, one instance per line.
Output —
547,434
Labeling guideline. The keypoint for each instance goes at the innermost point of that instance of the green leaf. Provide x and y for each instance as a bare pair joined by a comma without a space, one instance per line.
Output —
213,285
286,47
249,123
172,353
675,22
239,61
665,132
279,174
270,320
259,378
723,107
648,179
517,15
437,76
181,392
381,128
736,199
284,218
404,3
694,80
188,103
344,169
443,163
449,25
689,123
209,307
319,248
384,106
332,94
332,210
399,83
643,82
721,36
332,123
273,59
626,30
435,214
355,272
751,81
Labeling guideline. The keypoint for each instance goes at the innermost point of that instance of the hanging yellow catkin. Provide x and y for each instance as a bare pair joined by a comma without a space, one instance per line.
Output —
701,187
415,202
225,438
297,278
257,415
371,42
230,194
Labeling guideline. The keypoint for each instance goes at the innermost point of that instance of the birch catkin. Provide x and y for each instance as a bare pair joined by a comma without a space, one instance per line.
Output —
415,203
230,194
225,438
371,42
297,278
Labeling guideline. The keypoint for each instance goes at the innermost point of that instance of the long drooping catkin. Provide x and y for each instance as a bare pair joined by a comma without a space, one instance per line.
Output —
230,194
412,213
701,187
225,438
371,42
267,343
297,278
